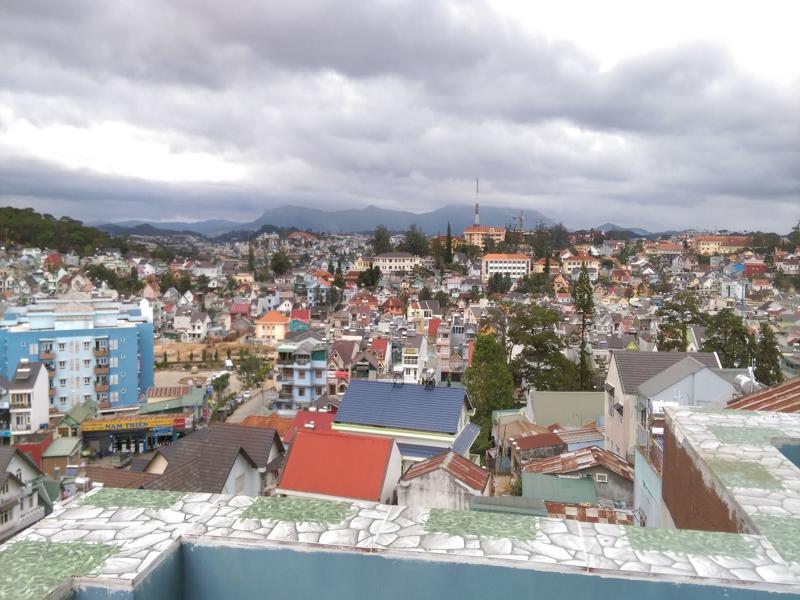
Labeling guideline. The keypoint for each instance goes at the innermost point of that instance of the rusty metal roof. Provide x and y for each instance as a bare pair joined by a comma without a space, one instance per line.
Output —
784,397
459,467
585,458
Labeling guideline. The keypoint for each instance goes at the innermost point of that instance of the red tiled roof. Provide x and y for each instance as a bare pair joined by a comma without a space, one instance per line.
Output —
282,425
585,458
301,314
379,346
784,397
433,326
337,464
321,421
459,467
273,316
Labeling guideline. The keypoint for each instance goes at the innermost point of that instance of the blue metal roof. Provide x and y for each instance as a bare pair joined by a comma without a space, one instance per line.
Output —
414,451
402,406
465,439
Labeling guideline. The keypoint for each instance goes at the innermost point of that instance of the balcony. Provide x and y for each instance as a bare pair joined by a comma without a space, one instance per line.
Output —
100,387
52,392
20,405
98,352
47,355
101,370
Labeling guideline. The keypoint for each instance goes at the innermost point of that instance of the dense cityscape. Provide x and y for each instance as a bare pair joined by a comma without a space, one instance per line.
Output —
399,299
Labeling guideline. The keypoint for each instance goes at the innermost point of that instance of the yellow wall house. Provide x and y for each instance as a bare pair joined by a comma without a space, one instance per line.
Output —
271,327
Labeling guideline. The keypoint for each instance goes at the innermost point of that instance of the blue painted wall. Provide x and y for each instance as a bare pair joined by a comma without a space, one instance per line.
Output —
133,376
215,572
164,582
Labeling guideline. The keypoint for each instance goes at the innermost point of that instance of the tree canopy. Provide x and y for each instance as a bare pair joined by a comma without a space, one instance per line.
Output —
767,357
677,314
728,337
381,240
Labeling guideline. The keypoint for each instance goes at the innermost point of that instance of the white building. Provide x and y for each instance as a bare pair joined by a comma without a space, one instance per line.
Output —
19,497
396,262
515,266
28,398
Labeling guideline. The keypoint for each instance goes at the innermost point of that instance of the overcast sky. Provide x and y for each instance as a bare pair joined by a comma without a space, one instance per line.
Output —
659,115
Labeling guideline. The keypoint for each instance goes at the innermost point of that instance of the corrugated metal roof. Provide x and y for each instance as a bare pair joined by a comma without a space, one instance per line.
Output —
402,406
465,471
465,439
635,368
418,450
784,397
569,462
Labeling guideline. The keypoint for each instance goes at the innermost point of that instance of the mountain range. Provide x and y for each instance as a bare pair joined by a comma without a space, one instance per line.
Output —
355,220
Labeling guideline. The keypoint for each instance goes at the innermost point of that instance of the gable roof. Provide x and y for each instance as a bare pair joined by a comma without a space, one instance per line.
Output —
465,471
8,452
535,441
670,376
402,406
784,397
273,316
635,368
577,460
283,425
337,464
118,478
206,472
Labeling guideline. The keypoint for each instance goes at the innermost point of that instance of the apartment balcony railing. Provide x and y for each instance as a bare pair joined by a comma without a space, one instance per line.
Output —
26,404
47,355
101,370
101,352
100,387
52,392
653,452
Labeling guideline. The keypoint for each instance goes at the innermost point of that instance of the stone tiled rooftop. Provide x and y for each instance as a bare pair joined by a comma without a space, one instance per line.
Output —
114,537
738,452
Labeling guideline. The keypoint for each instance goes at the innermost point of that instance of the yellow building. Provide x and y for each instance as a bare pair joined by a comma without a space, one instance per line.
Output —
477,235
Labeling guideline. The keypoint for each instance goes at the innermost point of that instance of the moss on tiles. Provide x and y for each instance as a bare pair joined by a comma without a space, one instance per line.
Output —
758,436
783,533
32,570
128,498
298,510
485,524
684,541
744,474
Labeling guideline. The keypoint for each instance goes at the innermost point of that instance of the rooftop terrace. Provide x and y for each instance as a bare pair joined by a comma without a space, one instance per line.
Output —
156,544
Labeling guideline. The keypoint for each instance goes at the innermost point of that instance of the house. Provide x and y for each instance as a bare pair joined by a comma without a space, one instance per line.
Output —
271,327
424,420
28,399
481,235
19,495
60,454
626,372
330,465
192,323
445,481
300,320
414,356
535,445
224,458
589,475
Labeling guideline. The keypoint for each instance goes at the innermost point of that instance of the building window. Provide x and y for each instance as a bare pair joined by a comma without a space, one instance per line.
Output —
87,362
62,382
87,380
62,346
62,364
87,345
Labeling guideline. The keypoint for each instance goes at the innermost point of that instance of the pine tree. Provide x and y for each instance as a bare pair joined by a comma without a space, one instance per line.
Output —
251,259
331,269
448,249
676,315
768,357
584,303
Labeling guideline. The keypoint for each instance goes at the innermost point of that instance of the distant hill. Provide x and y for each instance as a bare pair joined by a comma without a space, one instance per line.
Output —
26,227
359,219
634,230
142,229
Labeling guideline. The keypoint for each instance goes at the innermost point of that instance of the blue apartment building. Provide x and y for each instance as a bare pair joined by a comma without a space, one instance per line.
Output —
301,372
94,349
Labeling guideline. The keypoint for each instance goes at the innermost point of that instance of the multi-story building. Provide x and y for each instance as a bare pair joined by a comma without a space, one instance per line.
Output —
515,266
414,358
94,349
720,244
396,262
301,372
271,327
479,235
24,402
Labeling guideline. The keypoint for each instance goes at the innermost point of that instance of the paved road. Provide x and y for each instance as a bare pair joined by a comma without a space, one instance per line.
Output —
256,405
